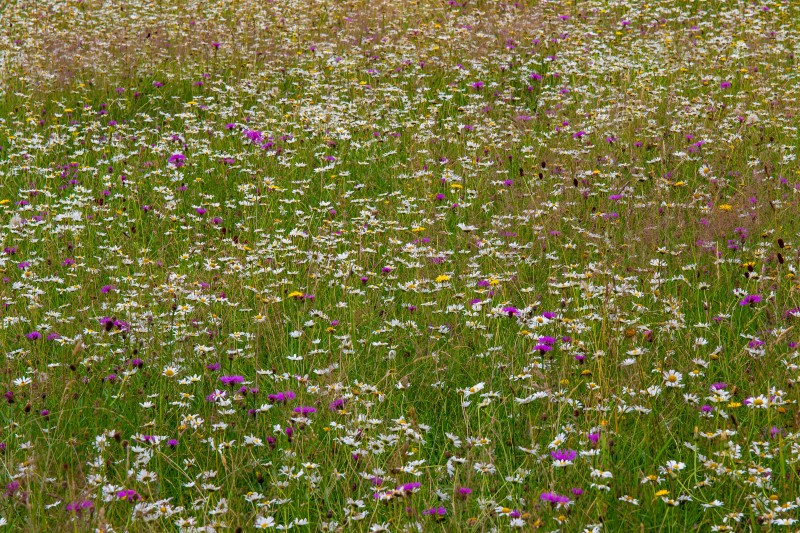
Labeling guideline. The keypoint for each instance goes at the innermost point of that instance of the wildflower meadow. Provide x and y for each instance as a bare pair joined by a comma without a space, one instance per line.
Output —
398,266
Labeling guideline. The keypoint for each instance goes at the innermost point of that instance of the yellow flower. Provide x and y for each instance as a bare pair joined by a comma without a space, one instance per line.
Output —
295,294
725,207
442,278
662,492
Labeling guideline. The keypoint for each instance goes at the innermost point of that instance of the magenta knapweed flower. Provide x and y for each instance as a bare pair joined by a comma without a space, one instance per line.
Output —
304,410
129,495
177,159
231,380
76,507
563,455
34,335
554,498
409,487
281,396
751,299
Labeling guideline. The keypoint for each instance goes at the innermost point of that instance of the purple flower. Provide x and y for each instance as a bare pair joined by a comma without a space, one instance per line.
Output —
253,136
76,507
750,300
231,380
172,443
510,311
12,487
563,455
337,404
554,498
177,159
129,495
725,85
34,335
409,487
304,410
435,511
105,289
281,396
